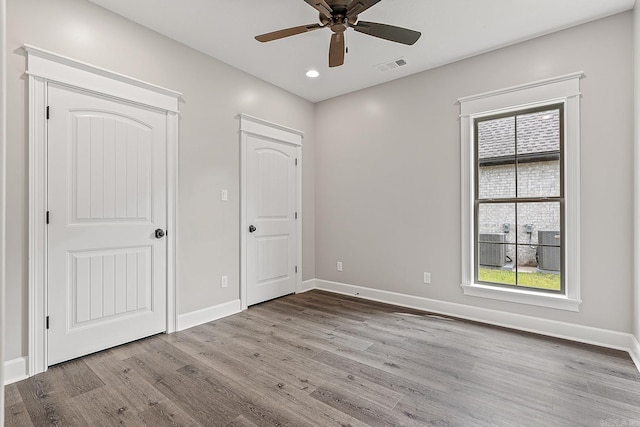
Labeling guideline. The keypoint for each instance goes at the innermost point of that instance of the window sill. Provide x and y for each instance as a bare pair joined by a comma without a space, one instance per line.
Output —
520,296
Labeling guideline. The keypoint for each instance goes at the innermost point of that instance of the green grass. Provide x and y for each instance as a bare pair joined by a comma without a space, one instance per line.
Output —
529,280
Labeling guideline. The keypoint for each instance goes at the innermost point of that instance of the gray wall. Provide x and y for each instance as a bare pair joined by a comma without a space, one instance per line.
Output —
214,93
388,182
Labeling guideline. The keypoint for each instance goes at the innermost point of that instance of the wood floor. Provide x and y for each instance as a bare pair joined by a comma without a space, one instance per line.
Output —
319,359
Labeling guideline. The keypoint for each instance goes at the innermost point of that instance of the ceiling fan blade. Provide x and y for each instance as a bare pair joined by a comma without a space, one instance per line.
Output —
321,6
358,6
275,35
336,50
387,32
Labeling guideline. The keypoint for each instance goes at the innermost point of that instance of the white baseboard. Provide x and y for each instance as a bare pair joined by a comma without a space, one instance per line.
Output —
15,370
307,286
209,314
634,351
569,331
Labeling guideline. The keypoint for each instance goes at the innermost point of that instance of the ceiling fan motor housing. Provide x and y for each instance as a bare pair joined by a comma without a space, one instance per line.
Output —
339,21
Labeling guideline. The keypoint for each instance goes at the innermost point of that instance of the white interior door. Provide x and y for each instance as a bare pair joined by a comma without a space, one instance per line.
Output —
106,270
271,219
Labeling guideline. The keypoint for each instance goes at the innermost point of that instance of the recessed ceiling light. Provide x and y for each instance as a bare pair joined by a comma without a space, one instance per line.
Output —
313,74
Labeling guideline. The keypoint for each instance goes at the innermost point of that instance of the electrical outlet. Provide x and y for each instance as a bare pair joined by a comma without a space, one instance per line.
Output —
224,281
224,195
427,278
339,266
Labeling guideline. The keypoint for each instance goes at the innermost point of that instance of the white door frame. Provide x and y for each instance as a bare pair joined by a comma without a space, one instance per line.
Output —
253,126
44,67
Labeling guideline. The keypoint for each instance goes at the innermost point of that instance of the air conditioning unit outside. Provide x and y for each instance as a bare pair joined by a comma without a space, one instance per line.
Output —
492,250
549,256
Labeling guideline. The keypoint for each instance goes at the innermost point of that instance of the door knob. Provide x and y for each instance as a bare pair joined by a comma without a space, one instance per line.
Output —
251,229
159,233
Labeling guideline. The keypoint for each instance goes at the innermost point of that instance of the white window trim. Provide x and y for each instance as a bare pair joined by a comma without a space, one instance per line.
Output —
564,89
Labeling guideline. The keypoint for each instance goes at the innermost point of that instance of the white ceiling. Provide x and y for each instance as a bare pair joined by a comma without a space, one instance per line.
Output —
451,30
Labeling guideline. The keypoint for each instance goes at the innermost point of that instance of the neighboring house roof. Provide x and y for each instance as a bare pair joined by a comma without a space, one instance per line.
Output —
537,133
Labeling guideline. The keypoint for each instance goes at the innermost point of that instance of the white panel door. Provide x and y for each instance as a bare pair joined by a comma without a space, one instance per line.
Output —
106,197
271,218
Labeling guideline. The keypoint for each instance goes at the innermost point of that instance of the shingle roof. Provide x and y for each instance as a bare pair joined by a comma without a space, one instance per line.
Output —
537,133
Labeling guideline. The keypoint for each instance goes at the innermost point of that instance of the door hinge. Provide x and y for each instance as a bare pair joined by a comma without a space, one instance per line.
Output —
47,219
296,268
47,322
47,112
296,215
296,162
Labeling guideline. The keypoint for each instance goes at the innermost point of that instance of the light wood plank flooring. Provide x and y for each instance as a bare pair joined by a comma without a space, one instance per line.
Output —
319,359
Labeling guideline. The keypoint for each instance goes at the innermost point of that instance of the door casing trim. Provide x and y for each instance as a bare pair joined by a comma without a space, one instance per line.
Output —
44,67
250,125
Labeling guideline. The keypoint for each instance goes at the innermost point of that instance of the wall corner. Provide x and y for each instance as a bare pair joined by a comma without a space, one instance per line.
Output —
636,177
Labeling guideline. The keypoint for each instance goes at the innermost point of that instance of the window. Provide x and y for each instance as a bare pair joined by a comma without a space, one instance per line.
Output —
518,199
520,194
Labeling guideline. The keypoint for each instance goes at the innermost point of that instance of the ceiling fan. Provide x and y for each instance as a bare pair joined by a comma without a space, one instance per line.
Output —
338,15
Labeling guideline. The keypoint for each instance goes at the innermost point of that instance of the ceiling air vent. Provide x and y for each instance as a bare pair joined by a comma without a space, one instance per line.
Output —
396,63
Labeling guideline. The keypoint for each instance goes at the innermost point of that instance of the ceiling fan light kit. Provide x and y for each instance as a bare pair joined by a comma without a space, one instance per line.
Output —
338,16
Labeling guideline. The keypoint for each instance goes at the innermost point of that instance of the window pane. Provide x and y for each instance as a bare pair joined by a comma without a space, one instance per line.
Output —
539,253
538,147
531,276
537,221
496,219
549,256
539,178
497,275
526,259
497,181
539,132
495,250
496,158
